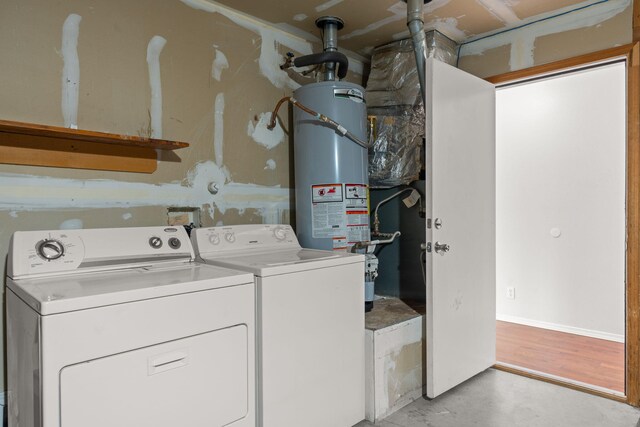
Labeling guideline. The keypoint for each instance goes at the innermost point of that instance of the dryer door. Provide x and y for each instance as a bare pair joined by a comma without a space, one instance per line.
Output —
196,381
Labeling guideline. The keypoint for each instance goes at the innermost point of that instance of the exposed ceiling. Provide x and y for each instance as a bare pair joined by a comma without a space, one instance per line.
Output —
370,23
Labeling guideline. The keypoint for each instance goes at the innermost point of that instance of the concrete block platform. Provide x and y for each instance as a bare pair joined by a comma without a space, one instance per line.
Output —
394,358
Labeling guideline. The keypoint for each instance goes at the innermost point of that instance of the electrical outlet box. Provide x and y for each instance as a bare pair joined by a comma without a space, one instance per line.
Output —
511,293
183,216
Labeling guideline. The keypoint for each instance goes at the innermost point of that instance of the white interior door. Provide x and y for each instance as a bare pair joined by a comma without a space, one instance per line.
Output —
460,165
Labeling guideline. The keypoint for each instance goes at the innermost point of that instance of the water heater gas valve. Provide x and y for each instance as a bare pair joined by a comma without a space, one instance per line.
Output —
371,267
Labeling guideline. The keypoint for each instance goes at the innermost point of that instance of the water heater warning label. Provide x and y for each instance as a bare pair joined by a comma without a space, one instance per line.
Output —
327,210
357,212
340,212
326,193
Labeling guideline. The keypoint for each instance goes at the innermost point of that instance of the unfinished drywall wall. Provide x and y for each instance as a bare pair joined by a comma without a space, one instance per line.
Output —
575,30
187,70
369,24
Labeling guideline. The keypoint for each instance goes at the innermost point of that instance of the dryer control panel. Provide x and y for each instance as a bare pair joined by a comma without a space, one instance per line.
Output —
35,253
243,237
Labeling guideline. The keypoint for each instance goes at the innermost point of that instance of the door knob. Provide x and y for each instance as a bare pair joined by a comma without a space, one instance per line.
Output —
441,248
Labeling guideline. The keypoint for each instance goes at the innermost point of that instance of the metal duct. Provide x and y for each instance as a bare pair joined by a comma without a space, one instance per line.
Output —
396,110
416,29
393,80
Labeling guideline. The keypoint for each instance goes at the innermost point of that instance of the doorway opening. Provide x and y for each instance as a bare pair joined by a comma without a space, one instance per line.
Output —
561,231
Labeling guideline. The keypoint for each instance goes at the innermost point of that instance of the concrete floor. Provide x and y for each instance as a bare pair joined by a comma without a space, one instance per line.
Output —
499,399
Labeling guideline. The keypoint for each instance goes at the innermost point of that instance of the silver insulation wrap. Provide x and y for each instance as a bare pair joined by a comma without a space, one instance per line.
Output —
394,106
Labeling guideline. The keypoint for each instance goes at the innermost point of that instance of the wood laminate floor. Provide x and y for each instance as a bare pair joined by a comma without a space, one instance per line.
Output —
588,360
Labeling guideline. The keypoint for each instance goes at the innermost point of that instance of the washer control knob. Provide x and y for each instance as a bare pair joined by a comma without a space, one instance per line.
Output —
155,242
174,243
280,233
50,249
214,239
230,236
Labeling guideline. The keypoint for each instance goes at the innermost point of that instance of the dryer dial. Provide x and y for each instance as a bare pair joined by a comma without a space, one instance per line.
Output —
214,239
174,243
50,249
280,233
155,242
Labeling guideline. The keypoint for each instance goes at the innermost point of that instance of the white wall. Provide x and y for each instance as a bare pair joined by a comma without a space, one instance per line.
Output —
561,146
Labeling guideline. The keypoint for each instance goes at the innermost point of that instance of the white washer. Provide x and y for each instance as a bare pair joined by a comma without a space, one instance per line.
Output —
120,327
310,323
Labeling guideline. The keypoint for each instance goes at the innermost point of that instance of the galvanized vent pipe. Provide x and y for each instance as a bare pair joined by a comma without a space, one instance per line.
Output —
329,57
330,26
415,22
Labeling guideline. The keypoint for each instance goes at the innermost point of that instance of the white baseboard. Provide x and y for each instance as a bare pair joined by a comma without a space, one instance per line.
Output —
561,328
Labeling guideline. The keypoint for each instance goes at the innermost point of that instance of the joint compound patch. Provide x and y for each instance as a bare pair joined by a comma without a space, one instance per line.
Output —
71,70
270,165
154,48
219,63
270,39
262,135
340,212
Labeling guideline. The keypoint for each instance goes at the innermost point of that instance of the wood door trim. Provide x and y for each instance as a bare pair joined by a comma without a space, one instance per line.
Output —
565,64
636,20
633,227
631,53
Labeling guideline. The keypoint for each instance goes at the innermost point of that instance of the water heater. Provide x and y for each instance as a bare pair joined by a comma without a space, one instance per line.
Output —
332,193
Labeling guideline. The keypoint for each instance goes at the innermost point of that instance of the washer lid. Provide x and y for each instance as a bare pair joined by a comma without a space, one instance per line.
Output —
269,263
59,294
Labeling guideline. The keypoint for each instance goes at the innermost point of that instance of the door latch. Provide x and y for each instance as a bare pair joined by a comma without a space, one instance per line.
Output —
437,223
441,248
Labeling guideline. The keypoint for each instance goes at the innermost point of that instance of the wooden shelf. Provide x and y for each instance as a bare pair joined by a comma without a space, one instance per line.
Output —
87,135
52,146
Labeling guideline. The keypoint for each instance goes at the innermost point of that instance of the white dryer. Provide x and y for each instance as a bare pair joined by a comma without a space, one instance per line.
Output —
120,327
310,323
